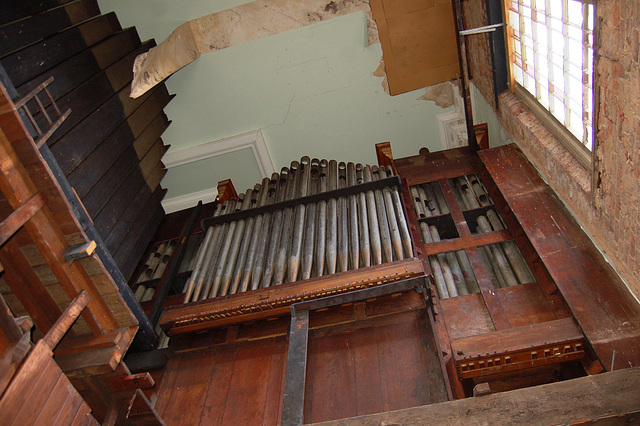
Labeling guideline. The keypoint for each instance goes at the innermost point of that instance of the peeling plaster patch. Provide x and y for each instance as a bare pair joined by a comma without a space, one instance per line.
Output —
231,27
381,72
441,94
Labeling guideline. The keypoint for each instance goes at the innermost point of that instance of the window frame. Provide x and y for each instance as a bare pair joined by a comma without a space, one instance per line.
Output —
580,152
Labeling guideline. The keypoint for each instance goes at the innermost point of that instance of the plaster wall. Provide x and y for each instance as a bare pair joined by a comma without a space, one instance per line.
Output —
310,90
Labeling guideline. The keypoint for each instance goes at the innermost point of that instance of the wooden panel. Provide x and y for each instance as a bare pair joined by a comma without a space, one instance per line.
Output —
603,306
518,348
47,54
89,95
237,383
87,174
135,243
466,316
12,10
437,165
382,367
82,66
74,147
136,212
22,33
418,42
40,388
525,304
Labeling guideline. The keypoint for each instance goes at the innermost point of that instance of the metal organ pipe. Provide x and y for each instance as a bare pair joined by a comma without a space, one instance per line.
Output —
301,241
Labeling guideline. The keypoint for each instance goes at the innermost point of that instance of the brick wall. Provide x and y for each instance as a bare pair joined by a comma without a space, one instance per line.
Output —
478,49
606,200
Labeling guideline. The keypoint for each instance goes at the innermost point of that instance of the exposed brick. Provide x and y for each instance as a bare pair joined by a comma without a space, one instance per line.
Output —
611,213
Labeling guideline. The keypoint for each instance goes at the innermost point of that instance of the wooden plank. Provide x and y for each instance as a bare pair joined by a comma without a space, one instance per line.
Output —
83,343
368,395
445,164
19,217
275,388
101,195
56,403
87,96
218,389
487,290
122,186
12,11
331,367
35,394
603,306
581,400
468,314
68,317
128,253
77,144
24,32
276,300
418,42
400,365
86,175
525,304
30,371
49,53
130,217
248,390
26,286
190,387
75,70
11,358
132,382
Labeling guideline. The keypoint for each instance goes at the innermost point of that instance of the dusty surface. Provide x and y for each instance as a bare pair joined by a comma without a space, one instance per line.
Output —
252,21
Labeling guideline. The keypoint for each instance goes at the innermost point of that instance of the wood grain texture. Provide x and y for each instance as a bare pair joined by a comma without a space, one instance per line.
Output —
377,368
603,306
40,389
236,383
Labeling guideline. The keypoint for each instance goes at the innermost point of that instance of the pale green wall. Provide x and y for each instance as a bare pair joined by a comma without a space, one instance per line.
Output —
310,90
198,175
483,113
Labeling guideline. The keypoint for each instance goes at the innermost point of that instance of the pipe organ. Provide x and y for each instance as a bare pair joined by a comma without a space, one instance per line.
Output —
313,219
432,258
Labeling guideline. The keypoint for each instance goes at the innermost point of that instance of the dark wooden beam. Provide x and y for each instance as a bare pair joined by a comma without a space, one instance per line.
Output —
611,398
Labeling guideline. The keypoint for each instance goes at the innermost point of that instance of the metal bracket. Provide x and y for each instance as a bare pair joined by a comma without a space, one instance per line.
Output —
482,30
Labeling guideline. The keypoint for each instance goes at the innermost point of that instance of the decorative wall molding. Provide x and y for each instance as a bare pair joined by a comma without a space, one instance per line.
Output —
452,125
452,130
252,140
182,202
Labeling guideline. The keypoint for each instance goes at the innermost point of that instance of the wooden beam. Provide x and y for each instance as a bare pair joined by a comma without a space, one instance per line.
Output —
20,216
293,398
66,320
612,396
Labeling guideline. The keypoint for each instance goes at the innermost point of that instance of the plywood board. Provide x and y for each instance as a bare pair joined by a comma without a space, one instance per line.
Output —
418,42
